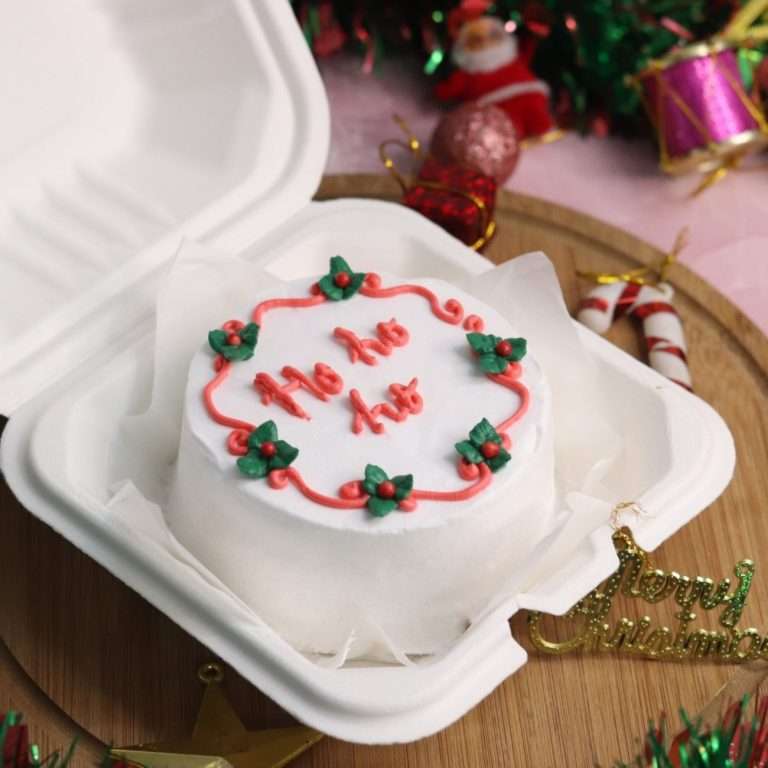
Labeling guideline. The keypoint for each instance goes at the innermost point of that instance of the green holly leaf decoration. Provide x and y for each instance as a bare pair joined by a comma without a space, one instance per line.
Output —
286,453
519,349
253,465
484,446
263,433
373,476
266,452
482,432
481,342
469,452
493,363
497,462
339,264
340,282
330,289
382,501
381,507
494,353
247,338
403,486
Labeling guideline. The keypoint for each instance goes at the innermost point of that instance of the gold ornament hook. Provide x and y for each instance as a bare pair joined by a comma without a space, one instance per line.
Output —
411,144
625,506
210,673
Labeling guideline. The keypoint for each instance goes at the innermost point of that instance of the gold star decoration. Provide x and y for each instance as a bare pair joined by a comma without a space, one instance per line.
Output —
219,738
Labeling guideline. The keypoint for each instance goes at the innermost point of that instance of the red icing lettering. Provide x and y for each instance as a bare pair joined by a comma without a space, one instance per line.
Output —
270,391
363,415
407,398
325,381
357,348
393,333
297,380
390,335
406,401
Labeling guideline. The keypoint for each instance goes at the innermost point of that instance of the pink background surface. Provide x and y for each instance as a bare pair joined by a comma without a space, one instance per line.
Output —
611,179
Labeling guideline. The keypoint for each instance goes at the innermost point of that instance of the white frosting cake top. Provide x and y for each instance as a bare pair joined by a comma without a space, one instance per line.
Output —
367,370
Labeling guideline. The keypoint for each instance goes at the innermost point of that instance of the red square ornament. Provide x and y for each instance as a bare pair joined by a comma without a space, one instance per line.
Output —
456,198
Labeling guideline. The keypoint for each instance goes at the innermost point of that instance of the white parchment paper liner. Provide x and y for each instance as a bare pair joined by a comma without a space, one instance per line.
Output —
205,285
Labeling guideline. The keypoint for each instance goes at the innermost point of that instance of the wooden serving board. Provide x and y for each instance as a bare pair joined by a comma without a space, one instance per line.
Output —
79,642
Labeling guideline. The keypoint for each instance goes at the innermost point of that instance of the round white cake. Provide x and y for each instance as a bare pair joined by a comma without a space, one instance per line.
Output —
365,460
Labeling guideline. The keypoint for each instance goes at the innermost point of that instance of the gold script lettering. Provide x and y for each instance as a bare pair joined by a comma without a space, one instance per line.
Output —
637,579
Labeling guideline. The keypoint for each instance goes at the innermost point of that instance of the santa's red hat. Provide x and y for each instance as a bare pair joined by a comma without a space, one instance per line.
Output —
466,10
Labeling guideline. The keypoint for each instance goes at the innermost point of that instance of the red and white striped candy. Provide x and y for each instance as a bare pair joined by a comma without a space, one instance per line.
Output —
652,305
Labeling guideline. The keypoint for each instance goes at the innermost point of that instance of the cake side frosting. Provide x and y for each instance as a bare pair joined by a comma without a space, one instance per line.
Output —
417,381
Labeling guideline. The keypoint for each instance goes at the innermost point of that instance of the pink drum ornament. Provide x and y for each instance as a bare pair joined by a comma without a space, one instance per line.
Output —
703,117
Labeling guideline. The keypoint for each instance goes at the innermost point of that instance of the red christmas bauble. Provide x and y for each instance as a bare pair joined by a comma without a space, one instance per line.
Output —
482,138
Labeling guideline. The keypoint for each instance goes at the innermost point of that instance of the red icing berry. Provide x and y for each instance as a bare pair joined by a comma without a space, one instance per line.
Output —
386,489
234,340
504,348
342,279
489,449
267,449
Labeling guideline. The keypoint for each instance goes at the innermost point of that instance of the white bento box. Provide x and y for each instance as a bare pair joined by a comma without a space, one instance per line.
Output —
132,124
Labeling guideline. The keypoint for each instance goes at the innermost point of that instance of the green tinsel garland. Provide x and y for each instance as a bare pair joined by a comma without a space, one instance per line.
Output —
586,49
738,740
16,752
13,733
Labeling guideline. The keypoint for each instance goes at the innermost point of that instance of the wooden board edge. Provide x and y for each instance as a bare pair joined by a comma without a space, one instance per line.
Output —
741,328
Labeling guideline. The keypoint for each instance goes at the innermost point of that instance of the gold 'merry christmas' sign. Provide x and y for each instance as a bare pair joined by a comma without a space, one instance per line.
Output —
637,578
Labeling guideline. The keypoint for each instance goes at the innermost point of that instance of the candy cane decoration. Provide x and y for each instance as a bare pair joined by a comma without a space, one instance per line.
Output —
652,305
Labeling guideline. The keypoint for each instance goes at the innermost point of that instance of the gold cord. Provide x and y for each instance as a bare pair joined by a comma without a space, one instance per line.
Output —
643,275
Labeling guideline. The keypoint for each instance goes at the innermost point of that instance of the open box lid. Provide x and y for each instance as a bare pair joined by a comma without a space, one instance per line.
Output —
129,125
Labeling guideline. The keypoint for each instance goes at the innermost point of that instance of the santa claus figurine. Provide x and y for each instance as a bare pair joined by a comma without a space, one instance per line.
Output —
491,70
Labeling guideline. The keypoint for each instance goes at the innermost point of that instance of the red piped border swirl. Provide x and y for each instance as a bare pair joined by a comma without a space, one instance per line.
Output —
223,367
279,478
451,312
474,323
511,380
270,304
352,495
